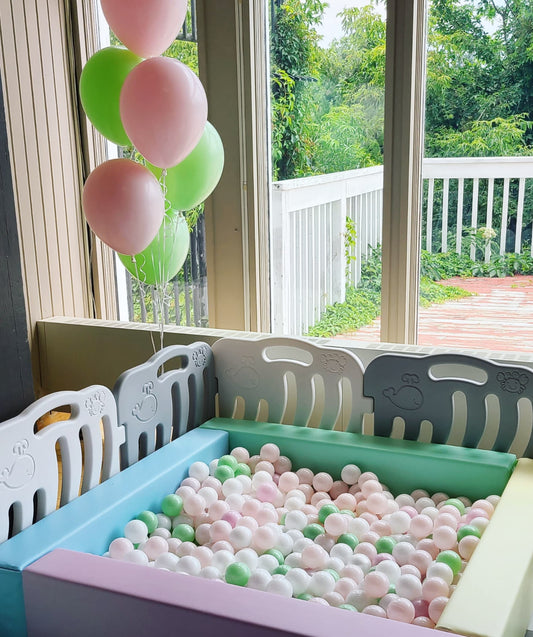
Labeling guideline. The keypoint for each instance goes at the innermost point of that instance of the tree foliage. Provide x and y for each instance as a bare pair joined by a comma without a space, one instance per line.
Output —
328,103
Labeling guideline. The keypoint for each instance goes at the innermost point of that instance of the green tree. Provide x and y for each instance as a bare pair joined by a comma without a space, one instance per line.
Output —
294,52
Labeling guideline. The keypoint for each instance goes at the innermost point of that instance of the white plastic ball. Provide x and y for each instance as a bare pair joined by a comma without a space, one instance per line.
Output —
341,551
136,531
163,521
279,585
321,582
161,532
294,560
247,556
209,495
209,572
284,543
167,561
240,537
222,559
188,564
199,470
299,579
350,474
296,520
259,579
136,556
267,562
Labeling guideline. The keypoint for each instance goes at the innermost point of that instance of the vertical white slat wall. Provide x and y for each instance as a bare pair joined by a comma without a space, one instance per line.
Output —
308,232
41,117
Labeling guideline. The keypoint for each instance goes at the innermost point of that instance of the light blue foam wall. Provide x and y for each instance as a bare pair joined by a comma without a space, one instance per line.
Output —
90,522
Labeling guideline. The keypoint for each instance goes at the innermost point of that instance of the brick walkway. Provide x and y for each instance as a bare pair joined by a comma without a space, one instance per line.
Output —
498,317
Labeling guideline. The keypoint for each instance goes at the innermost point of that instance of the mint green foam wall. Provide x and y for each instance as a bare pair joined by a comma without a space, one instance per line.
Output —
402,465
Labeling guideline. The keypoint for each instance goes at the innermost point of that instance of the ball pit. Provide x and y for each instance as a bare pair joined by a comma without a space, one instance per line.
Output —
345,543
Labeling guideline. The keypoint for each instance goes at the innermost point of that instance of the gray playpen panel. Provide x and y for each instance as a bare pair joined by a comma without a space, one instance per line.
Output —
156,405
453,399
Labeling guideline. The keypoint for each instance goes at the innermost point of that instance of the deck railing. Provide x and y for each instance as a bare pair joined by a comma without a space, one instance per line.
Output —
315,251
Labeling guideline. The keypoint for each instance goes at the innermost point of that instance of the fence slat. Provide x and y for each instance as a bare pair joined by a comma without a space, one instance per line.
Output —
505,214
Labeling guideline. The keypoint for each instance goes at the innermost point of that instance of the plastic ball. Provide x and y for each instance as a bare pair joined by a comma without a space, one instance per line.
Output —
172,505
136,557
401,610
259,579
279,585
375,610
167,561
321,582
154,547
376,584
409,586
184,532
136,531
237,573
150,519
119,547
188,564
452,559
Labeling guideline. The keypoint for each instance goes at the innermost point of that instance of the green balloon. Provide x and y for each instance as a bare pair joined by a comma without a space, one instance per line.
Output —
163,258
100,84
194,179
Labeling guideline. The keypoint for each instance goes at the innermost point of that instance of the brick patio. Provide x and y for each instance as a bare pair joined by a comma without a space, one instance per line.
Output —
499,316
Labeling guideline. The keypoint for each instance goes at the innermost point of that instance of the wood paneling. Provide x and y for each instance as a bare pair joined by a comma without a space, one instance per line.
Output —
40,59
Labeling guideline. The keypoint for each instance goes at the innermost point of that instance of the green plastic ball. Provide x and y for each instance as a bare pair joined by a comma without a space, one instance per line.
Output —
326,510
348,607
385,544
237,573
467,529
242,469
311,531
277,554
452,559
150,519
305,596
172,505
184,532
282,569
228,461
455,502
223,472
348,512
348,538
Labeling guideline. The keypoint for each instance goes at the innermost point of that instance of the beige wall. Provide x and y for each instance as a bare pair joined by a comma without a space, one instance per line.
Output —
37,63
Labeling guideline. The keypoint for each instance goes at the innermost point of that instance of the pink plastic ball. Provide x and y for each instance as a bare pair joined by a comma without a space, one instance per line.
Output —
376,584
374,610
421,526
352,572
370,486
436,606
217,510
266,492
337,488
264,538
322,481
269,452
119,547
421,607
346,501
232,517
420,559
282,465
287,481
202,534
376,503
445,537
401,610
425,622
220,530
265,465
314,556
433,587
336,524
240,454
428,545
305,475
467,546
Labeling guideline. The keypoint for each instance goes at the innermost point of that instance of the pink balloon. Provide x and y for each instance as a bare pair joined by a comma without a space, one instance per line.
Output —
163,108
124,205
146,27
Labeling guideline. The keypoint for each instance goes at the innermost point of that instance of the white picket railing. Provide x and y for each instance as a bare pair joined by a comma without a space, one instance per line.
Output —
309,235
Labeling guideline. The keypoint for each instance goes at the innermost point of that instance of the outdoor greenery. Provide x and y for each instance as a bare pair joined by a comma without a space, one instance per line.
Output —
328,114
328,102
363,303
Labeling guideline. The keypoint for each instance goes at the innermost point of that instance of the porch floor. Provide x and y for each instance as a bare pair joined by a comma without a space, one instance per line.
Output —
499,316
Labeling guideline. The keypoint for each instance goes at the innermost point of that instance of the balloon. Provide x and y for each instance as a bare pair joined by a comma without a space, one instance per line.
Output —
124,205
146,27
163,107
194,179
163,258
100,84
